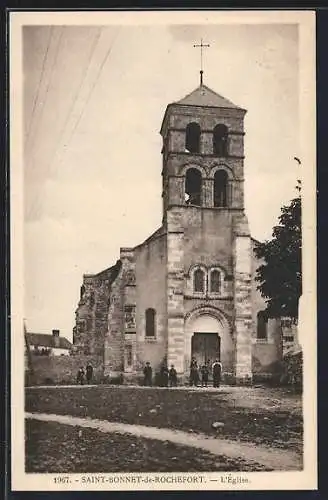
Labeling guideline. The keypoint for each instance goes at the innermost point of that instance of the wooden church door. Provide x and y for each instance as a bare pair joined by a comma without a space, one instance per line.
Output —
205,347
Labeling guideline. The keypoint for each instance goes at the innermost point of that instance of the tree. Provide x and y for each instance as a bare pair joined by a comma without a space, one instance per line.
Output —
280,274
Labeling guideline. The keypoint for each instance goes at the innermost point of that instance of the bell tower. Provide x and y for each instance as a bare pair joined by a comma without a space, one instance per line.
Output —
203,213
203,152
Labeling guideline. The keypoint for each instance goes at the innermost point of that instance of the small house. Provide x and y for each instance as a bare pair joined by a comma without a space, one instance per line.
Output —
44,344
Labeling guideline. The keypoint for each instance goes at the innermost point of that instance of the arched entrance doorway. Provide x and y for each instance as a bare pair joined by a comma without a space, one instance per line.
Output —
208,337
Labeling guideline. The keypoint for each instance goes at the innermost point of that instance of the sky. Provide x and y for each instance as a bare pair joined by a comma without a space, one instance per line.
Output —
94,99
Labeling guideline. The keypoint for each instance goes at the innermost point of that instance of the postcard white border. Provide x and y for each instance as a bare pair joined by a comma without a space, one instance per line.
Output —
302,480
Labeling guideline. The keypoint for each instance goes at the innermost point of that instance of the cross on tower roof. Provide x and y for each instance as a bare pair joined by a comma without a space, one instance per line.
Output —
201,45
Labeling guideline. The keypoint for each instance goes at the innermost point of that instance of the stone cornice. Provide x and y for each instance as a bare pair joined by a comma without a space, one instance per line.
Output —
227,209
191,110
182,176
205,131
208,298
235,110
205,155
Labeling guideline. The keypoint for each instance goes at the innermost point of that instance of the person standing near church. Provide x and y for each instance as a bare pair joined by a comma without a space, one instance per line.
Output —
205,373
89,372
164,375
148,374
173,377
80,376
216,370
194,375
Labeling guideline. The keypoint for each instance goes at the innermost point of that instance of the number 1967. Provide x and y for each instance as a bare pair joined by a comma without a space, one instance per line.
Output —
61,480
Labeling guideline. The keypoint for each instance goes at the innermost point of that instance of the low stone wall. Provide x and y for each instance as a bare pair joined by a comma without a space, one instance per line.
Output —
49,370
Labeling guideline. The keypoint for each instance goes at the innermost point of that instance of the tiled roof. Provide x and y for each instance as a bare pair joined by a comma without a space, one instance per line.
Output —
204,96
45,340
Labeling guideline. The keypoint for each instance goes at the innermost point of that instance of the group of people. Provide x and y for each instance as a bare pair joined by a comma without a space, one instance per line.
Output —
84,374
202,373
169,377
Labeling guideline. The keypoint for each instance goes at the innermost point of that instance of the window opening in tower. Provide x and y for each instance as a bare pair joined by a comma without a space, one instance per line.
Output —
192,138
193,186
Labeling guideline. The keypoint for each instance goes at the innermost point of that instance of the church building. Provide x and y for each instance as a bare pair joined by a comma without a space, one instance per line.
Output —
189,290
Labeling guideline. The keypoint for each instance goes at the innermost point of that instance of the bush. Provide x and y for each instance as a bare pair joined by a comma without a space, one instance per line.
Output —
293,370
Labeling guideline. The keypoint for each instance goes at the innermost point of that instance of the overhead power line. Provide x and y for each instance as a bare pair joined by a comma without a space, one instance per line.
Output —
100,69
50,77
71,108
36,97
93,86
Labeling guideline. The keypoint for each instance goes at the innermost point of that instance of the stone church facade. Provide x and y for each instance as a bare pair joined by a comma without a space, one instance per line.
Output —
189,290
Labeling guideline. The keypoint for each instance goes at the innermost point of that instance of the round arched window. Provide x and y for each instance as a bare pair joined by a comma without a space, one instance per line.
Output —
193,138
193,187
220,140
220,188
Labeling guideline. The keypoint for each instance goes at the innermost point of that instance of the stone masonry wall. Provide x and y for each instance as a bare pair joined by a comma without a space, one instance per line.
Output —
177,159
208,242
150,269
63,369
175,289
129,312
207,119
199,236
91,314
114,341
265,352
207,238
243,306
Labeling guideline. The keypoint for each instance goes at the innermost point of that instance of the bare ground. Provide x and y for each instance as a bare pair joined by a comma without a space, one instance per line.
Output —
58,448
262,416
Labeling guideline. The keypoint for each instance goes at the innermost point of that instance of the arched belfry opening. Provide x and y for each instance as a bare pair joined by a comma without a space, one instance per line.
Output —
193,138
221,189
193,187
220,140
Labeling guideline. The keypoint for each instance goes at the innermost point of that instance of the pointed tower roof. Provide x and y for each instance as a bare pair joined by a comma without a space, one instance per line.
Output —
204,96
